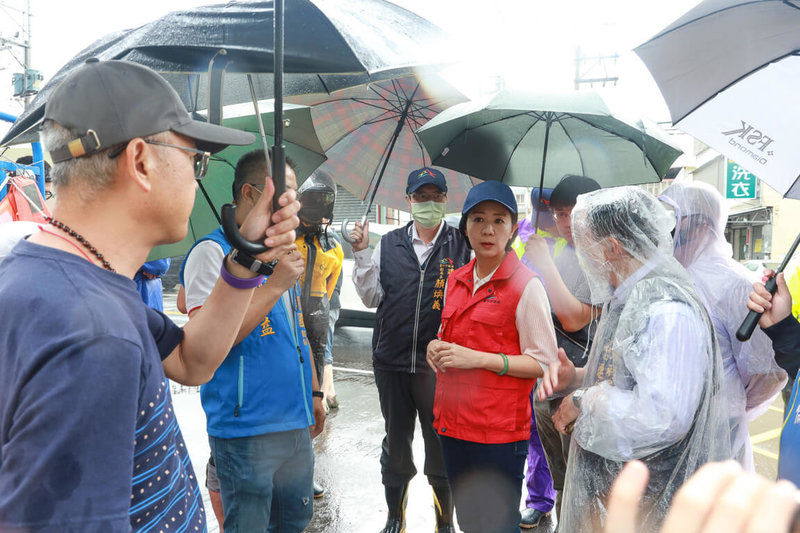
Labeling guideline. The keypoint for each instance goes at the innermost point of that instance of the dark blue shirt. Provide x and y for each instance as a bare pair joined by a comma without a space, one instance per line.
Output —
88,437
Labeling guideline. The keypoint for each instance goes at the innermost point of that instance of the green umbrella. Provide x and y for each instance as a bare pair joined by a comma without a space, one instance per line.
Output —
534,139
302,146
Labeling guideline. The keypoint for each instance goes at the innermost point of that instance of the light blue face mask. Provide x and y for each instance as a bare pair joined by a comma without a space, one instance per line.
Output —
428,214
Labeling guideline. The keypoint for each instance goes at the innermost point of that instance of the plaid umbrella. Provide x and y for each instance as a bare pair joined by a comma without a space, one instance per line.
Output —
369,135
301,144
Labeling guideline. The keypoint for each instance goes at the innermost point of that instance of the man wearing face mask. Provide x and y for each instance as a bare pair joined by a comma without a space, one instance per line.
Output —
405,278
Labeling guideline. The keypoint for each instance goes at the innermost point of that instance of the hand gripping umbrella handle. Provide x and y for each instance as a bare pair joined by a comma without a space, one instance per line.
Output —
751,320
236,239
346,233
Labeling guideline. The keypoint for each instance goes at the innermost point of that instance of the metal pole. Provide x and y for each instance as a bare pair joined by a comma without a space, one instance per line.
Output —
259,121
278,150
544,162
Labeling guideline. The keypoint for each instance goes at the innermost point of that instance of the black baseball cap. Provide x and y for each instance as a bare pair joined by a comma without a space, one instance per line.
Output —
425,176
112,102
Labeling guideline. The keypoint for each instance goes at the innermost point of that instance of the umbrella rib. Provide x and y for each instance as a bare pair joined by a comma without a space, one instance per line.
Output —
394,98
501,119
521,137
423,152
392,109
572,142
378,120
624,137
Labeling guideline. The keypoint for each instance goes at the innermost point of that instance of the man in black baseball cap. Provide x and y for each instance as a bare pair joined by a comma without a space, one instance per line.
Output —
404,278
89,439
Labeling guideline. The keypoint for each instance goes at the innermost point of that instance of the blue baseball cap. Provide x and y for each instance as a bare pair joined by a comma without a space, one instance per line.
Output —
490,190
545,197
425,176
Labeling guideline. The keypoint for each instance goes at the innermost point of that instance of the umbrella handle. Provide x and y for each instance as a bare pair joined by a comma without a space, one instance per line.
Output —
236,239
345,232
751,320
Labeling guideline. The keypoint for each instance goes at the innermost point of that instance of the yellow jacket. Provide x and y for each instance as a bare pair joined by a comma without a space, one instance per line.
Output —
327,265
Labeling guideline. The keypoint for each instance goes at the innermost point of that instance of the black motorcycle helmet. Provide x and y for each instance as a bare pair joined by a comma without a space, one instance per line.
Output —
317,196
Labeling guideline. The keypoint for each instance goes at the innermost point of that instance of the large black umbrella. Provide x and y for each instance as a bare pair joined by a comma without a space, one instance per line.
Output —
329,45
321,45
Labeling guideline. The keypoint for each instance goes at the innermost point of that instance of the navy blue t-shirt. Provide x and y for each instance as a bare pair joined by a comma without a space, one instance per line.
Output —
88,437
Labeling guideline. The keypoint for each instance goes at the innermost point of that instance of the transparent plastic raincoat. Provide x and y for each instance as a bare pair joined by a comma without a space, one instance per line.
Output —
652,382
752,378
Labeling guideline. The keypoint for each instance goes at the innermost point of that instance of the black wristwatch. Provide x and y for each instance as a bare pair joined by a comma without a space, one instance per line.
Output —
251,263
317,394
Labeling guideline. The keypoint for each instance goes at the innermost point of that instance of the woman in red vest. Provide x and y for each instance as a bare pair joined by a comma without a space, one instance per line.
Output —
496,338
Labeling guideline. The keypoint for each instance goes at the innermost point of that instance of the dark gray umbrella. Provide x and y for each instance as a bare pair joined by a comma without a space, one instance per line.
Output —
329,45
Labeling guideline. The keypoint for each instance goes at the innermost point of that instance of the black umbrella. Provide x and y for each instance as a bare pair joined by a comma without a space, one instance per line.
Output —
329,45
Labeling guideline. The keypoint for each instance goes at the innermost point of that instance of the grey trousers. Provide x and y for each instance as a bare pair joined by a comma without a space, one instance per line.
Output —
556,445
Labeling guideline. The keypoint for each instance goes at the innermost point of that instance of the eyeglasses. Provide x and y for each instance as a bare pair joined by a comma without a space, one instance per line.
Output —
561,214
200,158
425,197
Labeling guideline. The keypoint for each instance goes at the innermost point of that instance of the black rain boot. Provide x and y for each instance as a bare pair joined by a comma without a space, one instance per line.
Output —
396,499
443,505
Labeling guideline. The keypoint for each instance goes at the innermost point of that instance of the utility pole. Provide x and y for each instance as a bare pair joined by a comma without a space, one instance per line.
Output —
27,83
28,47
600,69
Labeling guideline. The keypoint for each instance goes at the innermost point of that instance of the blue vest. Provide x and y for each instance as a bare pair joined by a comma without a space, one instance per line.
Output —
789,460
408,317
264,384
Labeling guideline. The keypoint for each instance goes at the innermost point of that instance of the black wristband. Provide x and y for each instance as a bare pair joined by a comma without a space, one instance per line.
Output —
317,394
251,263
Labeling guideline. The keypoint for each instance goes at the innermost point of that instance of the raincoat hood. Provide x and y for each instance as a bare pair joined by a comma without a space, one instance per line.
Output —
626,221
652,386
751,376
700,218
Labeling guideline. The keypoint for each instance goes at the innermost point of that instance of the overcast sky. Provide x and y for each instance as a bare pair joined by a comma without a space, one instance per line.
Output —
530,43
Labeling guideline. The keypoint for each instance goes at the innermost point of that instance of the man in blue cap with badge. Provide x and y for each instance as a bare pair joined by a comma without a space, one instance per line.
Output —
405,278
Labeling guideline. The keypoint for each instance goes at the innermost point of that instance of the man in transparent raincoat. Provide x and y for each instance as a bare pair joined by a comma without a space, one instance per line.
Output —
751,376
651,387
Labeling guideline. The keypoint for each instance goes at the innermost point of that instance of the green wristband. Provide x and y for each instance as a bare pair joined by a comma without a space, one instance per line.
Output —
505,365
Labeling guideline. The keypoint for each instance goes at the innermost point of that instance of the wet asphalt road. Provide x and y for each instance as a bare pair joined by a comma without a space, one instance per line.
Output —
348,451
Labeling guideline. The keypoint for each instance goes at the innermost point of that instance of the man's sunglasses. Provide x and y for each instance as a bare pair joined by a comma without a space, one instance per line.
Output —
201,158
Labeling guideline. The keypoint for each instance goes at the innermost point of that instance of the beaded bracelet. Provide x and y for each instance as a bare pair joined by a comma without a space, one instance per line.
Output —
239,283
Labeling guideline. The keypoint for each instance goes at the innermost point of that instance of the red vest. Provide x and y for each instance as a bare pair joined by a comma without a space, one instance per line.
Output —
478,405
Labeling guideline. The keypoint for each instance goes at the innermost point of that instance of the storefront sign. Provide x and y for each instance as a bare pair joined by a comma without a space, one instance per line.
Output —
739,183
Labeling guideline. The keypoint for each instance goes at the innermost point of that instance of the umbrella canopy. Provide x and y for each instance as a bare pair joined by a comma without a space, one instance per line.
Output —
534,139
368,133
302,146
203,49
728,70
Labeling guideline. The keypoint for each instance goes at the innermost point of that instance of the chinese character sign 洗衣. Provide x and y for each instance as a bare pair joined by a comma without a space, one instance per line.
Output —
740,184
